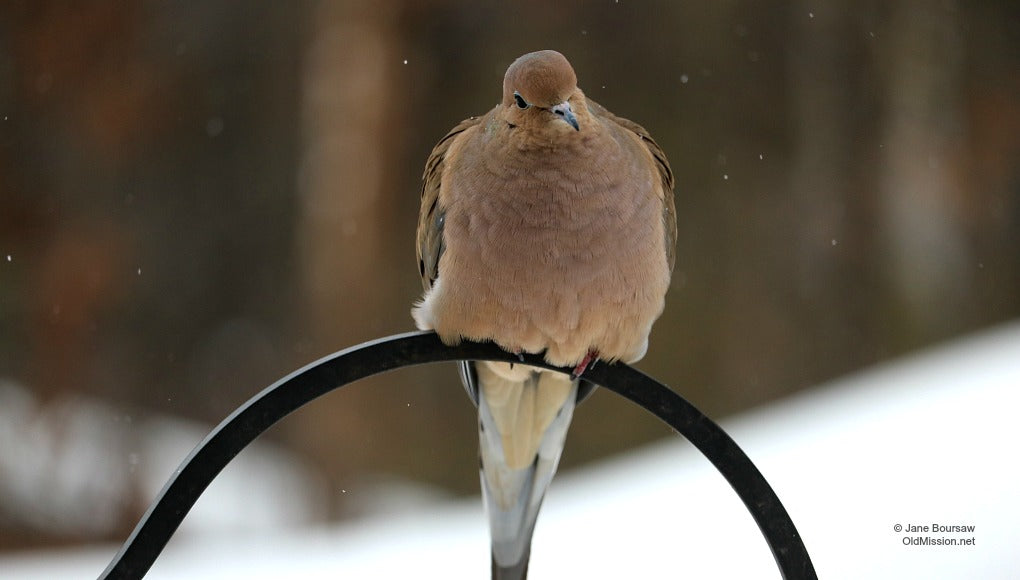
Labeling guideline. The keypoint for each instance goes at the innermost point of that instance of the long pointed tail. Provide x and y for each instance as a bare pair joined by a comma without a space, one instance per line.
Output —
518,571
523,417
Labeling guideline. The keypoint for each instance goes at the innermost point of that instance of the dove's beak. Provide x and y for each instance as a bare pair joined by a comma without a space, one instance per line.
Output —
563,111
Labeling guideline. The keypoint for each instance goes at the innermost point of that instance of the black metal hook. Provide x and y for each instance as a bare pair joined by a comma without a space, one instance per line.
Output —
198,470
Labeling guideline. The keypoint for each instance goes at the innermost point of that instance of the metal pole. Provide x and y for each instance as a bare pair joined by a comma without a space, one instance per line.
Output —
238,430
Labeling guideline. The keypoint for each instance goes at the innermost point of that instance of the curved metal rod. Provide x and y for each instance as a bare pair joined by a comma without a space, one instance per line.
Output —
198,470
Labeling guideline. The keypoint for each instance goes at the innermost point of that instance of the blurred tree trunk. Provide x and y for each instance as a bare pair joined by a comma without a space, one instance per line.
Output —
351,120
928,252
821,107
825,63
349,116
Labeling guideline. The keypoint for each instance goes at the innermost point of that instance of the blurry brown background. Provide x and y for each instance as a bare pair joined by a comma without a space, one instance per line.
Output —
196,199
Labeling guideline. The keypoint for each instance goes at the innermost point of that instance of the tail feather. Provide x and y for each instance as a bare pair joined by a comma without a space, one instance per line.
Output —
524,414
518,571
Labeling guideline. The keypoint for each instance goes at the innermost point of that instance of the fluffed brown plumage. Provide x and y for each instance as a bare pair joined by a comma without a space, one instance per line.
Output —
547,226
547,239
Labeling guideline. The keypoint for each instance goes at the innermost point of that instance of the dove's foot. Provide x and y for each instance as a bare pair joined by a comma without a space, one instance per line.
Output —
587,362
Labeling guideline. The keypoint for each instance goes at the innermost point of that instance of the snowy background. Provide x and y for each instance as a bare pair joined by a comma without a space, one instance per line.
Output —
198,198
929,439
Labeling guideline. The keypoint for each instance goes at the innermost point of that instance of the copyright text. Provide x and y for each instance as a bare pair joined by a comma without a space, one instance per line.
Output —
936,534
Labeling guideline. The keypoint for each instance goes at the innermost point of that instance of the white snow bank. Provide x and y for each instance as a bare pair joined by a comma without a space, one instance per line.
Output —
928,440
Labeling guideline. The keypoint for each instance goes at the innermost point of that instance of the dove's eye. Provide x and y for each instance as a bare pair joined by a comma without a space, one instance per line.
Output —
520,101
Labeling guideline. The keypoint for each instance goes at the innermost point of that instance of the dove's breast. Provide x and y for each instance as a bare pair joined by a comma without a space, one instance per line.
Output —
555,250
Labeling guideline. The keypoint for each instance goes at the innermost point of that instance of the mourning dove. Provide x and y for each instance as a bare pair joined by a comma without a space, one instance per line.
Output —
546,226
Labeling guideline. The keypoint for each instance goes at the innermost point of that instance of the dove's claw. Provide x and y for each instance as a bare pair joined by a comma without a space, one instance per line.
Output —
587,362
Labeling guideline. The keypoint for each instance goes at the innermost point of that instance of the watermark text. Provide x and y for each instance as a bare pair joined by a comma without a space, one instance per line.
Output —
936,534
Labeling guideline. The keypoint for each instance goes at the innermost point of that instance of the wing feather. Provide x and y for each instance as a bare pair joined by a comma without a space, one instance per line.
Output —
432,215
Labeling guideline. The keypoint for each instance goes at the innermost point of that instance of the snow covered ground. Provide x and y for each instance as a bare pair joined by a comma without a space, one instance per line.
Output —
926,441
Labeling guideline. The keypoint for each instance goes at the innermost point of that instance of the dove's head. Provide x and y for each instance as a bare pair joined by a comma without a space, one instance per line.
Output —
540,91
